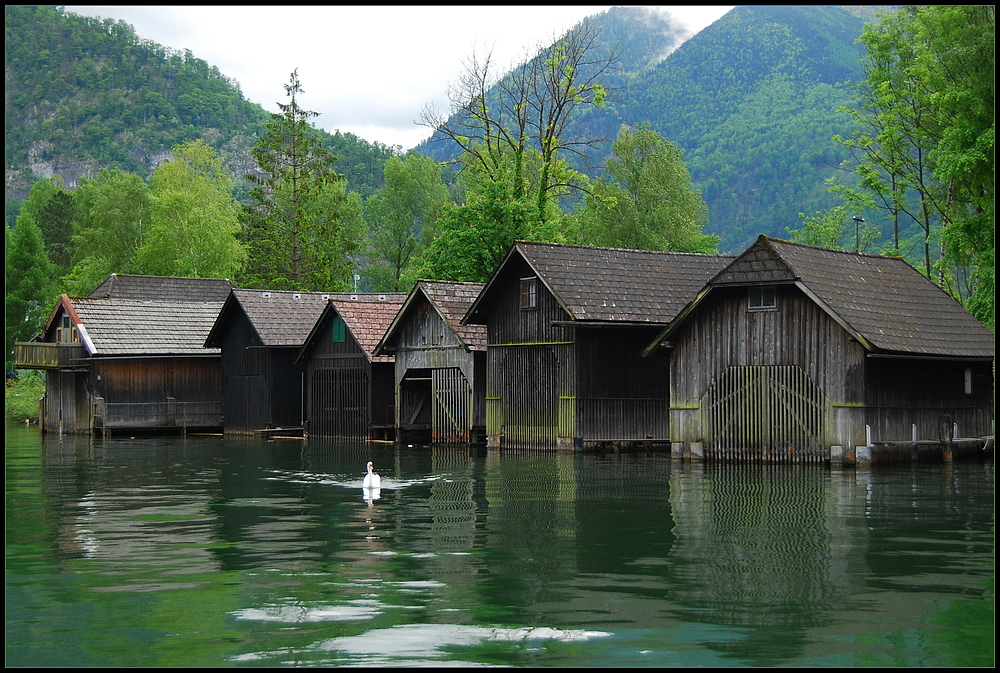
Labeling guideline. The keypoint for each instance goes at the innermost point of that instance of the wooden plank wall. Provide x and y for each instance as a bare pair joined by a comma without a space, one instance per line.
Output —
725,333
620,394
929,394
246,367
530,380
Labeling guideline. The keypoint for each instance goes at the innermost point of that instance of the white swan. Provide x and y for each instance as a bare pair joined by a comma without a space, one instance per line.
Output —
372,480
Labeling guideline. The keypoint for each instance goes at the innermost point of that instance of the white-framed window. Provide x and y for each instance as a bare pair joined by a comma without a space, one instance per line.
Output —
529,293
763,297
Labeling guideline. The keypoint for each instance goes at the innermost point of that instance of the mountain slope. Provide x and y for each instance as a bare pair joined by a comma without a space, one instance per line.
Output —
83,94
753,101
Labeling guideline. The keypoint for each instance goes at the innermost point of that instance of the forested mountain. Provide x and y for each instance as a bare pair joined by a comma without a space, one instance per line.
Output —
83,94
753,101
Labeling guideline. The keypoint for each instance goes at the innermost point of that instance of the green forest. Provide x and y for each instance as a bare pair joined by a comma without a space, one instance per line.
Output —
808,123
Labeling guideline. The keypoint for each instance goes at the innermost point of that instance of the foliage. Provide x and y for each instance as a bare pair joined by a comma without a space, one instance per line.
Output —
195,223
646,200
518,128
27,284
87,94
22,395
402,219
751,100
51,207
86,91
829,229
923,140
473,238
112,221
298,228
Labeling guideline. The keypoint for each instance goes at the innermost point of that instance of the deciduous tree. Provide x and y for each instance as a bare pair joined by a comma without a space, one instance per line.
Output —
195,224
112,222
515,133
646,200
28,290
402,218
924,141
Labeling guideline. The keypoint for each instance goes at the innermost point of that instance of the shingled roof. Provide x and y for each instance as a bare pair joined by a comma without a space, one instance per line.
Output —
280,317
451,301
163,288
130,327
366,315
612,284
885,303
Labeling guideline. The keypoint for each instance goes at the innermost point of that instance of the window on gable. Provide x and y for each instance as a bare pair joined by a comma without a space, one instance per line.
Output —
763,297
339,330
529,293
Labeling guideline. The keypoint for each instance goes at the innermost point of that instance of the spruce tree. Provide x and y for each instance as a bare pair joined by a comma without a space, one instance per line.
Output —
295,232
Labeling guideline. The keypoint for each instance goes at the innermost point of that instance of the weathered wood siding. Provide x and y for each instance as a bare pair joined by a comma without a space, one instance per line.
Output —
930,395
246,367
724,334
620,394
67,402
437,390
347,393
157,393
530,371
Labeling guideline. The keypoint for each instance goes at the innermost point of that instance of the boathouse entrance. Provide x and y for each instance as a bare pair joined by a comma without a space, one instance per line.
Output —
764,413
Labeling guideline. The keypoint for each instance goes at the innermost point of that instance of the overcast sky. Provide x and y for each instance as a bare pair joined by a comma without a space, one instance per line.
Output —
367,70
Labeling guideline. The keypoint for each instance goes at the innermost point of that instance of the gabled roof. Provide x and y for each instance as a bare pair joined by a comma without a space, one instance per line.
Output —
886,304
610,284
280,317
130,327
451,300
163,288
366,316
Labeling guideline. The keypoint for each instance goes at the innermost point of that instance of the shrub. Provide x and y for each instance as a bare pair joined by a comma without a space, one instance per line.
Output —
24,390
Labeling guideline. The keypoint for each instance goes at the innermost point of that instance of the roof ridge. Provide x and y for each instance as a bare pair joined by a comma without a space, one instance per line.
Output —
650,252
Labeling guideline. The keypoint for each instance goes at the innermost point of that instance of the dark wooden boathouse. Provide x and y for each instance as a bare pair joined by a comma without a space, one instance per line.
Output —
793,349
131,357
260,333
566,328
440,370
350,389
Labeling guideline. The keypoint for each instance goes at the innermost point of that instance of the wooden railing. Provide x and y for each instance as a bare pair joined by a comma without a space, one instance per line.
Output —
44,355
165,414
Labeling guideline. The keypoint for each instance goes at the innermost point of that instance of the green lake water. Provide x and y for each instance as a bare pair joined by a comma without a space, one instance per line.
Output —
204,551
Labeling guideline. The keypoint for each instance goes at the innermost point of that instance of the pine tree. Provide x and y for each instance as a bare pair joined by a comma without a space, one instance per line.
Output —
298,238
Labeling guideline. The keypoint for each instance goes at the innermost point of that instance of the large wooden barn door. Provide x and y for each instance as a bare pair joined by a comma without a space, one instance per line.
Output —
768,413
452,408
339,403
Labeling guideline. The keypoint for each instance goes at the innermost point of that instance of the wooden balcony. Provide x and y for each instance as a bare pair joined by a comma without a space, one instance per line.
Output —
43,355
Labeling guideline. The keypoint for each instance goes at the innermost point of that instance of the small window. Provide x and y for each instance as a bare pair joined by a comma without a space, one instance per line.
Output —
339,330
762,297
529,293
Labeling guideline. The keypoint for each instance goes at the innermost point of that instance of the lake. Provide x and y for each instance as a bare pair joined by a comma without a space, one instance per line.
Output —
204,551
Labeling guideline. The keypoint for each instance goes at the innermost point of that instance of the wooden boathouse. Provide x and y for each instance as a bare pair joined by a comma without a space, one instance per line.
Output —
260,333
795,352
440,365
349,389
566,328
131,357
